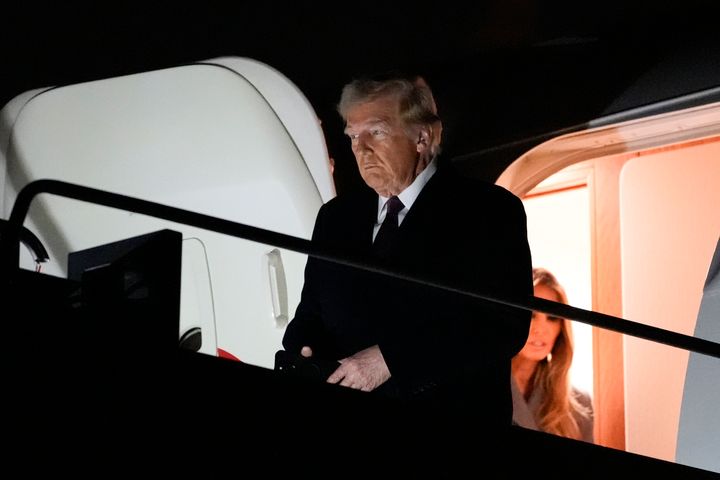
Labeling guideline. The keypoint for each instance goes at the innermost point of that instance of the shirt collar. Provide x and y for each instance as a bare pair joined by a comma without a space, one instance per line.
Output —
410,194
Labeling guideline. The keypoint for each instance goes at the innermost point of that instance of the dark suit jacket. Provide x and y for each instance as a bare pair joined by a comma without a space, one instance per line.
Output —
441,348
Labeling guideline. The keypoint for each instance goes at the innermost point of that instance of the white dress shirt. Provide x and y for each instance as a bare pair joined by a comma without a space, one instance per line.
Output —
407,196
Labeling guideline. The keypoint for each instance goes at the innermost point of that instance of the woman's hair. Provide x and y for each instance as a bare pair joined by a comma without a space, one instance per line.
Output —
559,406
417,105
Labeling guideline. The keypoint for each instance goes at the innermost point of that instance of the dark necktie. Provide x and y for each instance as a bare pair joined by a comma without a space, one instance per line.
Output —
389,228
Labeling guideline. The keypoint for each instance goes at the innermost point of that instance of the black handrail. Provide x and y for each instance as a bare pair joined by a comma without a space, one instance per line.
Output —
9,256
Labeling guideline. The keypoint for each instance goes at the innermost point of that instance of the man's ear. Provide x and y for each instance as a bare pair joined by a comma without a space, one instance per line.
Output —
423,140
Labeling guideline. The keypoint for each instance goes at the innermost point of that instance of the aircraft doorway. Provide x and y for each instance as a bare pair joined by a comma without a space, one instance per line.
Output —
651,196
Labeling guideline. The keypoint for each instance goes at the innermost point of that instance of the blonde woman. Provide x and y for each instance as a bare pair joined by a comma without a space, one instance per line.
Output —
543,398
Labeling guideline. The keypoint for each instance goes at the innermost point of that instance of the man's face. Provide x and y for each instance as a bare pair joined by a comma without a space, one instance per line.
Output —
388,158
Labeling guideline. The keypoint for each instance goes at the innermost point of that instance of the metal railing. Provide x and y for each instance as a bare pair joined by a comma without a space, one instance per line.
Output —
10,239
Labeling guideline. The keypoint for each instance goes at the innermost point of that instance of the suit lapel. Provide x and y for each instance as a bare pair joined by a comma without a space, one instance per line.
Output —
425,207
361,220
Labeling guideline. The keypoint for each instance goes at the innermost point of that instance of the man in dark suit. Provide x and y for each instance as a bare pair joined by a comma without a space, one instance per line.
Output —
422,345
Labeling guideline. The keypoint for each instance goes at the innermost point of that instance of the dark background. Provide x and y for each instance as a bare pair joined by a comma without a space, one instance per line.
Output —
502,70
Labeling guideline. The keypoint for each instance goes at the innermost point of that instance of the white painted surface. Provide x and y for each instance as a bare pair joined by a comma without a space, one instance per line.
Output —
198,137
698,442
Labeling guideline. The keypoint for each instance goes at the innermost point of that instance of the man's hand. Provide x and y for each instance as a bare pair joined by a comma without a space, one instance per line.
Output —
366,370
